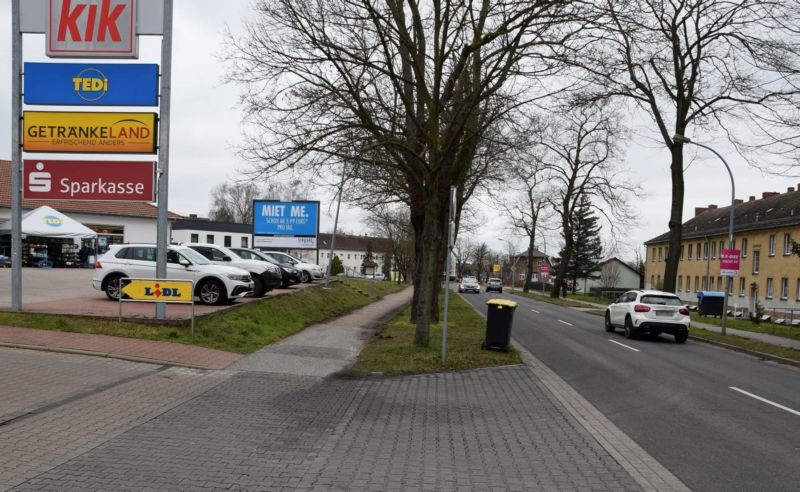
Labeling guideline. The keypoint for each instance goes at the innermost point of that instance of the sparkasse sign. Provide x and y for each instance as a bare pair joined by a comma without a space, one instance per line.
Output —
98,84
92,28
107,133
88,180
285,224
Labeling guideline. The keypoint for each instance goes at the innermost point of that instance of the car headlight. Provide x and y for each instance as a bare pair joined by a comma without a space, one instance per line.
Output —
240,278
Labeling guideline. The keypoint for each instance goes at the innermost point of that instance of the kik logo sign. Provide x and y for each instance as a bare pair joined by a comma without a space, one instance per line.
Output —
104,28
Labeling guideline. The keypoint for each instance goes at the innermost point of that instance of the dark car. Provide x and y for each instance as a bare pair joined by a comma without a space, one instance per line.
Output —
494,284
289,274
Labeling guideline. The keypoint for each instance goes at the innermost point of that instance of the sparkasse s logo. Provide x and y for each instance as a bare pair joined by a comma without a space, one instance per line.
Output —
98,28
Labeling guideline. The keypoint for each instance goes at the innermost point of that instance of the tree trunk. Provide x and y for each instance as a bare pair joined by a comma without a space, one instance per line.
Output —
428,270
529,269
561,272
675,218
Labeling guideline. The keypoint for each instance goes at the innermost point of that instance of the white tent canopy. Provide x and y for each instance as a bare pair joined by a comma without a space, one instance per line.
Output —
49,222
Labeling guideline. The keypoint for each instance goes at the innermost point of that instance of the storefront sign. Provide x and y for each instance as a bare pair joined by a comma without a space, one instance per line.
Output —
729,262
80,84
158,290
544,268
495,268
92,28
285,224
88,180
108,133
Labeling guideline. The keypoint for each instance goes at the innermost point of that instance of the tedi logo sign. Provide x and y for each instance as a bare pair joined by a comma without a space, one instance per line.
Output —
90,84
101,28
52,220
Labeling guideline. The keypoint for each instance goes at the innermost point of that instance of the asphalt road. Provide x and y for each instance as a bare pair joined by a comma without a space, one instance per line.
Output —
693,407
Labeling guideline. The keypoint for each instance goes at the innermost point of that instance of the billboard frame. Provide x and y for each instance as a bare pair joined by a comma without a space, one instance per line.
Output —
316,236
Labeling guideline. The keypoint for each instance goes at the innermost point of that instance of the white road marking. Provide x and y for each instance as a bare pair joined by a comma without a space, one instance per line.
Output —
623,345
568,324
535,311
778,405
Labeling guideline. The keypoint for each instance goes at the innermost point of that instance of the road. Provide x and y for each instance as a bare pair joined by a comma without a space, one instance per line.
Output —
717,419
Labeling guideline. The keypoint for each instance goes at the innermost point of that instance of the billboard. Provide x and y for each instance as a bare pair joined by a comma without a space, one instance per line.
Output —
107,133
88,180
279,224
91,28
158,290
729,262
102,84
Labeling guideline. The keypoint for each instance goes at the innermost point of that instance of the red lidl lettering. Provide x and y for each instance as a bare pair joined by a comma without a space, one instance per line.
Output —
69,20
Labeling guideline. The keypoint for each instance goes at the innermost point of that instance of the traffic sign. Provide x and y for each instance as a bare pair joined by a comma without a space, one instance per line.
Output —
89,180
495,267
159,290
99,84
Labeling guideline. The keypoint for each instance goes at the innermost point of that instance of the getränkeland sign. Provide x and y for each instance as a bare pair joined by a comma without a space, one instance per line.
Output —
107,133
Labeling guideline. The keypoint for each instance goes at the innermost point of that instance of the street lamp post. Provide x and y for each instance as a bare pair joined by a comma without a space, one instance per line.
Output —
677,138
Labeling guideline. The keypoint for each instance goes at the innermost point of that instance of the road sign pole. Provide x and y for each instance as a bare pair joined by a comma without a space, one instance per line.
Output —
449,248
16,158
163,153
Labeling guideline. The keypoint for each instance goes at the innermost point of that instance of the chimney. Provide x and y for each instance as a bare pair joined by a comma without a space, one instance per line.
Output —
790,190
699,210
768,194
712,207
738,201
752,198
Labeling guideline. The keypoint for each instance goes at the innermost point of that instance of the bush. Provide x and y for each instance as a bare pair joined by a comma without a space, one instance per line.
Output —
336,266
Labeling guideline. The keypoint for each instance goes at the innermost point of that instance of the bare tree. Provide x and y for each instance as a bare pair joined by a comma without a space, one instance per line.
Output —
463,252
233,202
394,223
718,65
409,90
610,274
481,256
581,156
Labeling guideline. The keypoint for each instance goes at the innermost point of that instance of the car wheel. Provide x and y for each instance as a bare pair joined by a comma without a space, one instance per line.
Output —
212,291
681,336
305,277
113,287
629,333
258,286
609,326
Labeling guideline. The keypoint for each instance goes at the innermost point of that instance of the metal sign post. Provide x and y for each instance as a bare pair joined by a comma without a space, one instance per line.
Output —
162,231
16,159
450,241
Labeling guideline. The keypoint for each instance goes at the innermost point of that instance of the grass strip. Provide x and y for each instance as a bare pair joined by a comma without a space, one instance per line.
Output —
592,299
746,343
792,332
552,300
245,328
391,350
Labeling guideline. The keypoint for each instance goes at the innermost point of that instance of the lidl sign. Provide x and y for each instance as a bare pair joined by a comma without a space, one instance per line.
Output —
107,133
158,290
96,28
79,84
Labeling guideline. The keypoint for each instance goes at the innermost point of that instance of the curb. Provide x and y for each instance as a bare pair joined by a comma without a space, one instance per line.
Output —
129,358
754,353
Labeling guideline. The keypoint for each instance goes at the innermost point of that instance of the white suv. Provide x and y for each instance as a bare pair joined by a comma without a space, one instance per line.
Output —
308,271
266,276
213,284
649,311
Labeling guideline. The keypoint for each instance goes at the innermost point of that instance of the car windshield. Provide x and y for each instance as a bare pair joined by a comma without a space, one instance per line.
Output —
661,300
494,280
193,255
230,253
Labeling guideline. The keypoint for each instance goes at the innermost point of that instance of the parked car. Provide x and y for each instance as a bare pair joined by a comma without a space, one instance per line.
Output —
469,284
213,284
649,311
494,284
308,271
289,274
266,276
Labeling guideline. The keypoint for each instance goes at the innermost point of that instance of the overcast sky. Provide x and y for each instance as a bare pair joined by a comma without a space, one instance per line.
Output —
205,133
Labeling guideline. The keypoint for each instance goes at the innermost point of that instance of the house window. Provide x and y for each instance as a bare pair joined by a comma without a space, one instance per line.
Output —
705,283
244,242
652,281
680,283
719,283
690,252
522,276
658,282
744,248
194,238
784,288
713,250
696,283
787,244
227,240
730,286
756,262
772,245
721,247
742,282
654,256
210,238
769,288
705,250
682,248
348,256
659,254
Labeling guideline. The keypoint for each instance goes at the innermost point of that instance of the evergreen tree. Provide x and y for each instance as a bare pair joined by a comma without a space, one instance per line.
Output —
387,266
336,266
588,248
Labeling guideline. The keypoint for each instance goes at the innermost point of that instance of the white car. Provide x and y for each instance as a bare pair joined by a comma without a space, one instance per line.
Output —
469,284
213,284
308,271
649,311
266,276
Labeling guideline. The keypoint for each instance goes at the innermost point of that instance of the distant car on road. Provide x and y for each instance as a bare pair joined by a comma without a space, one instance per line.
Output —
469,284
494,284
649,311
